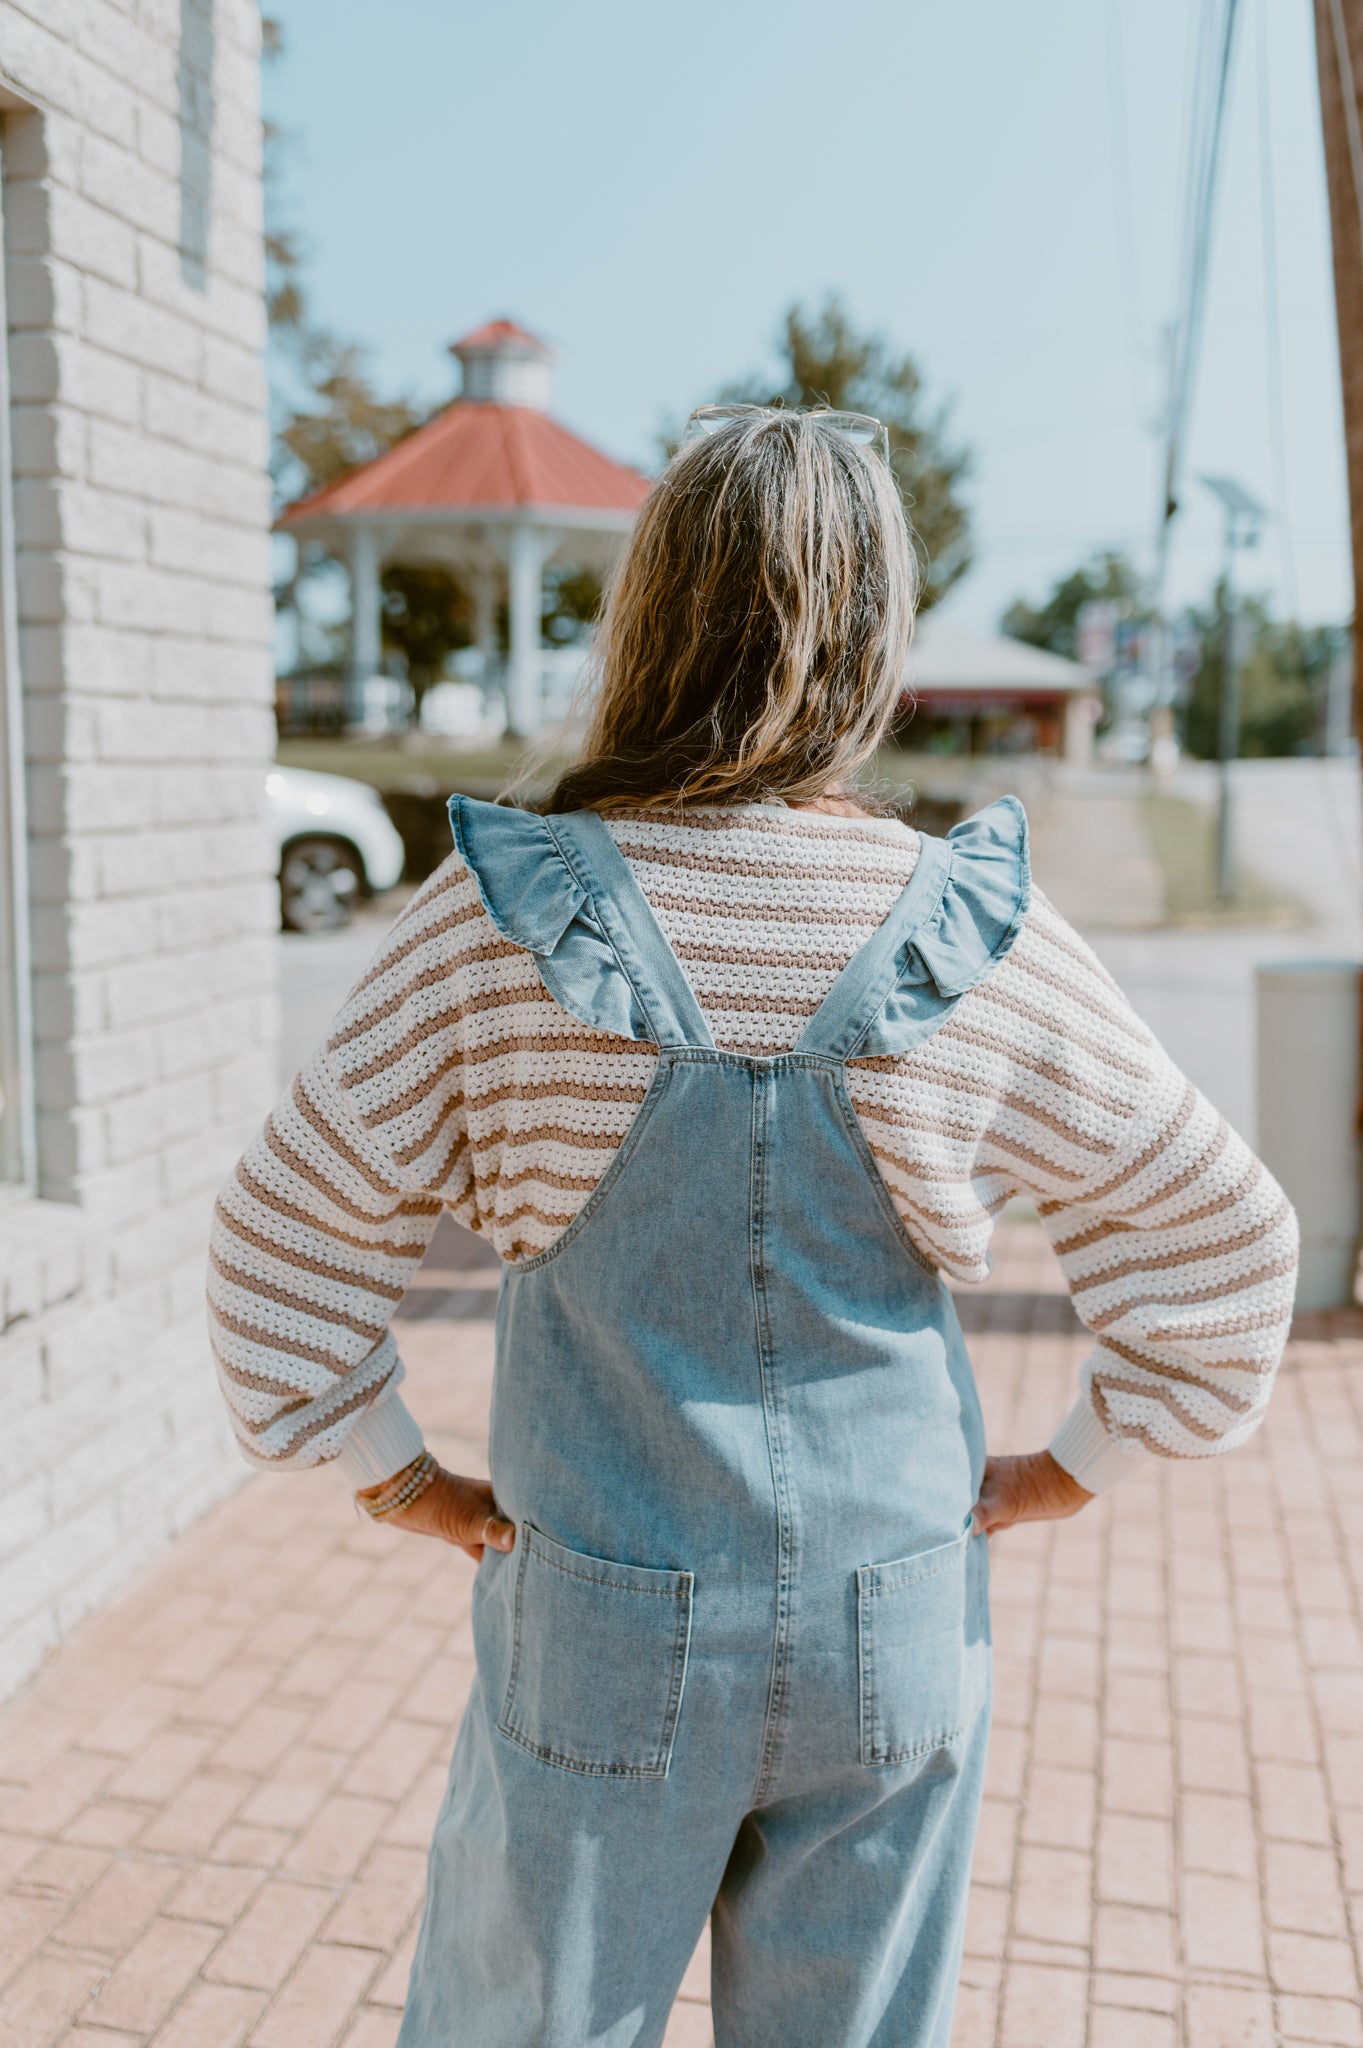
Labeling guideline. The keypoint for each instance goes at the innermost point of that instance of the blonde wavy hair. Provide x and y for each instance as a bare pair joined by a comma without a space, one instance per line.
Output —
754,635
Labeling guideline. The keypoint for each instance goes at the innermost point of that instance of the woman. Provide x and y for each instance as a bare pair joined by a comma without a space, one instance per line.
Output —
731,1071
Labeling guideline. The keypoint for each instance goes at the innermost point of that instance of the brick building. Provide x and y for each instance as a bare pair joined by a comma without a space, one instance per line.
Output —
137,910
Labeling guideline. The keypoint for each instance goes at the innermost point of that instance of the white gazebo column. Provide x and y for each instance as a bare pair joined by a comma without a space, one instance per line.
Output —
484,585
366,638
524,682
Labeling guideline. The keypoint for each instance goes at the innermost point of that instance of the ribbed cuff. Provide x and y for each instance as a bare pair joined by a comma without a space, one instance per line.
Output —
1086,1451
384,1439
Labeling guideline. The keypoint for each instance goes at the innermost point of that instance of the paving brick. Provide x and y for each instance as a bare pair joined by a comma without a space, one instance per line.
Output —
1221,1924
265,1944
190,1822
318,1999
152,1975
335,1843
215,1893
390,1988
1213,1756
211,2016
1303,1890
1217,1833
976,2019
1114,2028
1135,1860
1337,2022
116,1909
1312,1963
689,2027
375,2028
1054,1895
1060,1808
46,1993
1138,1777
1293,1802
1044,2008
1138,1994
1128,1938
1220,2016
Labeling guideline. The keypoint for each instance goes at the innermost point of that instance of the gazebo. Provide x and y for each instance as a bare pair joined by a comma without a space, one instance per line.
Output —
492,489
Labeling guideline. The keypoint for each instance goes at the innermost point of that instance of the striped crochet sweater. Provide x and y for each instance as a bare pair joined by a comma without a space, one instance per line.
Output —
453,1080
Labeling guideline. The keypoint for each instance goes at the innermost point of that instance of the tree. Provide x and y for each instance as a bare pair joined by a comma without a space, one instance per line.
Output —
1283,679
426,615
1054,624
827,361
328,418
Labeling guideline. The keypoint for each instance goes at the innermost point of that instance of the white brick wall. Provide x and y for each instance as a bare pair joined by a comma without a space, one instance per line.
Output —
141,514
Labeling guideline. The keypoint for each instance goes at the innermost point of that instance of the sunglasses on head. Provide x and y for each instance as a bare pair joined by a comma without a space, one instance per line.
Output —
858,427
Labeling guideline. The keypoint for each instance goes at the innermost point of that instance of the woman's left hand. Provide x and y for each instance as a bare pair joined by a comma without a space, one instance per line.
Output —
1030,1488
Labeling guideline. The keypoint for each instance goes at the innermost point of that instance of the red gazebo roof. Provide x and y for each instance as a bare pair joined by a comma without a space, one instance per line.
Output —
495,335
478,456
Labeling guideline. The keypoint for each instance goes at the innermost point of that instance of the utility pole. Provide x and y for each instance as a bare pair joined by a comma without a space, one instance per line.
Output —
1339,64
1244,516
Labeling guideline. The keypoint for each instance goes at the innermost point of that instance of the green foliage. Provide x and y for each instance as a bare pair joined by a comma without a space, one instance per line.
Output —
1054,624
572,599
426,616
1283,674
827,361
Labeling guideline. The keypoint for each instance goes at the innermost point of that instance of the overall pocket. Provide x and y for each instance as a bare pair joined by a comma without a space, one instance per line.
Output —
921,1680
598,1661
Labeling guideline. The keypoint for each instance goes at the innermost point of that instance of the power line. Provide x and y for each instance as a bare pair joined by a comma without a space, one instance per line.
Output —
1206,131
1128,261
1209,118
1273,358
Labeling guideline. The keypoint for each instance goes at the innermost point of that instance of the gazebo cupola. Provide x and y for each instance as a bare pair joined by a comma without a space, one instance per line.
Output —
494,489
502,364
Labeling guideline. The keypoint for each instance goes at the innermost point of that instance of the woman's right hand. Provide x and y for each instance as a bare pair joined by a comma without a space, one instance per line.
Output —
458,1511
1031,1488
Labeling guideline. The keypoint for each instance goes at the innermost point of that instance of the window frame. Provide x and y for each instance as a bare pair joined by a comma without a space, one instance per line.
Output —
18,1116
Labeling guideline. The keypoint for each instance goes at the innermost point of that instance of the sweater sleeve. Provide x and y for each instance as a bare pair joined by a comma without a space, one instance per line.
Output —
1179,1248
314,1241
326,1217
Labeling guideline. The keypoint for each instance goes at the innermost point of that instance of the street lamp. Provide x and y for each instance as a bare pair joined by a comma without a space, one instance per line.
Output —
1244,517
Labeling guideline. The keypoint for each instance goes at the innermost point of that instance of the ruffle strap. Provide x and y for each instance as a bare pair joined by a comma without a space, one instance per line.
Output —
962,934
536,901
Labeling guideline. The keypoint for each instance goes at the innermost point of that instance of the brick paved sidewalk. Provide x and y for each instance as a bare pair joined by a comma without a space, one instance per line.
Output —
214,1805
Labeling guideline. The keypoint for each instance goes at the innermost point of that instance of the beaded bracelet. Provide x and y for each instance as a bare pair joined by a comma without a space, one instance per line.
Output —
401,1490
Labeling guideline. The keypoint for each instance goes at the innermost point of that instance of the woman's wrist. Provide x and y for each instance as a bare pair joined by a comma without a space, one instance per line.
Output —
384,1440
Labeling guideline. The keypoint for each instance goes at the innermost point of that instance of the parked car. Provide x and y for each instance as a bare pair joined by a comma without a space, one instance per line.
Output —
337,843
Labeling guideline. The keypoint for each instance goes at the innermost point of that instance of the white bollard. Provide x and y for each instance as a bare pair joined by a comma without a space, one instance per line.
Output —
1308,1082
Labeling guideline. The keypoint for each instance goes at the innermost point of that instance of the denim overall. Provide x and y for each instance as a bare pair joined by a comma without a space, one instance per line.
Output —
738,1662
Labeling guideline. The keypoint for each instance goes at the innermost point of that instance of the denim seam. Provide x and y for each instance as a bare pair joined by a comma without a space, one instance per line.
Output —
879,1184
874,1749
508,1727
776,1448
567,853
923,918
876,1584
684,1579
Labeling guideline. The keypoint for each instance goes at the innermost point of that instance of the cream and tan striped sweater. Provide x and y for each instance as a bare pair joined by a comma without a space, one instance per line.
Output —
453,1080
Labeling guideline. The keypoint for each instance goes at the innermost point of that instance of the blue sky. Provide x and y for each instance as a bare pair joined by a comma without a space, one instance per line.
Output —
650,187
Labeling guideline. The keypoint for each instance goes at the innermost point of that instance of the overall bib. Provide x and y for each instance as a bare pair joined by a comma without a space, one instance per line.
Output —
738,1661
